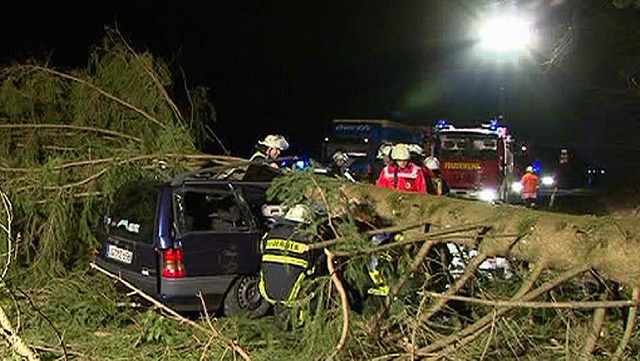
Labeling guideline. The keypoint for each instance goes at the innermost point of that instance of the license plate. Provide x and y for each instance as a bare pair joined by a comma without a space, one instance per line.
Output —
119,254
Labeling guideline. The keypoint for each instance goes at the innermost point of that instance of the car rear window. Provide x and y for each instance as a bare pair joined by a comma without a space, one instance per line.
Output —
132,213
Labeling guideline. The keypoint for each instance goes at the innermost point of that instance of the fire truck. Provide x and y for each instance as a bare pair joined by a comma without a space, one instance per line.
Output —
476,162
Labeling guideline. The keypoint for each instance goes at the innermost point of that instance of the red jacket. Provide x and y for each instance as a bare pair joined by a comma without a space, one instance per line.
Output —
409,179
530,184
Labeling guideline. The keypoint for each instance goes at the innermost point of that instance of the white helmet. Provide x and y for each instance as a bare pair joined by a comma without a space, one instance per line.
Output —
299,213
273,210
384,150
432,163
529,169
340,156
400,152
415,148
275,141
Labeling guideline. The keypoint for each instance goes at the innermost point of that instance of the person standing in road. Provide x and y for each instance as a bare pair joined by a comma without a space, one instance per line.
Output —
401,174
263,166
530,185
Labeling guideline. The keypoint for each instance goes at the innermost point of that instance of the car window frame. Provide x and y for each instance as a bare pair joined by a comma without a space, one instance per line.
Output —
213,188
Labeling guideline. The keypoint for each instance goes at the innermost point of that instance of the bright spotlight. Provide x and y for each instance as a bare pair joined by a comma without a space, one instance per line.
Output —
505,33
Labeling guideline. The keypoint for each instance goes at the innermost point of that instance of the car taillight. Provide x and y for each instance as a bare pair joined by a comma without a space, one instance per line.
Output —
173,263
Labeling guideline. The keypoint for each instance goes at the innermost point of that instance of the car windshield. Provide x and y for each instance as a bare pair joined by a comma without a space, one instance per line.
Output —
469,146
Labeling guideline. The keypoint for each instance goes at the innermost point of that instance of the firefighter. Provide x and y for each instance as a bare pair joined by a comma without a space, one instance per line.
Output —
530,184
286,261
263,166
418,158
383,158
384,153
439,184
401,174
340,166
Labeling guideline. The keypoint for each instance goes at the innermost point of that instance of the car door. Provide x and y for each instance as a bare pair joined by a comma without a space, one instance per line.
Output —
216,231
130,227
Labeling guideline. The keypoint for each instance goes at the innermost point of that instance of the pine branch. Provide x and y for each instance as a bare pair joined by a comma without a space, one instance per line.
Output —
72,127
99,90
211,332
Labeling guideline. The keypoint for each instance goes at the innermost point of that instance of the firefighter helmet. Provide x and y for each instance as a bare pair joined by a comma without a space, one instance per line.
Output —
400,152
298,213
340,156
384,150
415,148
275,141
432,163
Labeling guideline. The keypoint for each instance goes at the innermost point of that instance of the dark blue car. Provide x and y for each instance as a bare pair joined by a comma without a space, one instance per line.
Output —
192,236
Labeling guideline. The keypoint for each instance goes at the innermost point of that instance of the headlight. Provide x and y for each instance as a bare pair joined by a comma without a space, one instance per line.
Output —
488,195
548,181
516,187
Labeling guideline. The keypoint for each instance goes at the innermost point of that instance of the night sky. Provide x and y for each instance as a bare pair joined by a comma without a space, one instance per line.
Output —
291,66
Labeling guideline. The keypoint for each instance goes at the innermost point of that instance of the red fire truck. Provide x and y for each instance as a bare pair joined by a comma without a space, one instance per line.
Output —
476,162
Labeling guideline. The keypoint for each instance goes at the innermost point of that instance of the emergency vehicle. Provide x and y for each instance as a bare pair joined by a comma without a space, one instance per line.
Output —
476,162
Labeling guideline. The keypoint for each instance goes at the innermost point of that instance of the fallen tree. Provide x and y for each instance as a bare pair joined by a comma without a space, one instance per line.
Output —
555,250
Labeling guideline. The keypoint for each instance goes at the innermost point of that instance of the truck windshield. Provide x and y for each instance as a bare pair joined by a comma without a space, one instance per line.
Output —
468,146
351,146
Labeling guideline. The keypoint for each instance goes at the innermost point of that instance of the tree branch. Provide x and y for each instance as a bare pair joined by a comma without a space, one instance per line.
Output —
72,127
99,90
344,301
211,332
631,323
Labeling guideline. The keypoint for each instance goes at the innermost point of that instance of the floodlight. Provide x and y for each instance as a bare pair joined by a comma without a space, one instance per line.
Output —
506,33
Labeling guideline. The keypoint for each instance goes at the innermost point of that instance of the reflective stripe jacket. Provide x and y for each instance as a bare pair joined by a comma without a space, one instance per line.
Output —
286,262
260,170
409,179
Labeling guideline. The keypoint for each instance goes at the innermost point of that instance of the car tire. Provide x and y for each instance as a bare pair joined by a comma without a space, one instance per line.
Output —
244,298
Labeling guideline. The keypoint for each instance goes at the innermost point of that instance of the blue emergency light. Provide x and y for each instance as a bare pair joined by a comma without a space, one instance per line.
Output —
300,163
441,124
493,124
536,166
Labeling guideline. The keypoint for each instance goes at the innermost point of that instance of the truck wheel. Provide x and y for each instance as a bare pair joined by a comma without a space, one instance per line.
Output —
244,298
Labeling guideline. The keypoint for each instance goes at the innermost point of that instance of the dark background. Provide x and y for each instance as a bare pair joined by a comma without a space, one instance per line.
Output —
290,67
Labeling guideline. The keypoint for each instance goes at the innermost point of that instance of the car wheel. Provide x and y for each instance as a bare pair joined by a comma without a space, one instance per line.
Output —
244,298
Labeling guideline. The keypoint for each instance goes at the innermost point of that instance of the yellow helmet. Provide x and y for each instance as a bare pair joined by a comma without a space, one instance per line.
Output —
400,152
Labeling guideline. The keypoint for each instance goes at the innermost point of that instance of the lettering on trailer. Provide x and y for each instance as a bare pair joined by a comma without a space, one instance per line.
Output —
462,166
353,128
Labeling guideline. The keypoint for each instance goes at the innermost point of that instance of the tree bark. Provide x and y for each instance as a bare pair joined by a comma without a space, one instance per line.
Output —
560,241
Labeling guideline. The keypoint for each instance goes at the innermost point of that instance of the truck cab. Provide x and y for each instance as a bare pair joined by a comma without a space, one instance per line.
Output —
476,162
